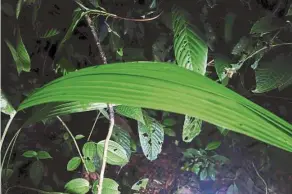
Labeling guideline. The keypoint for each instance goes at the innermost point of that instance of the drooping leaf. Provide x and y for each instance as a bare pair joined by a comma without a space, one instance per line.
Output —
50,33
6,107
267,24
229,22
116,154
203,174
77,186
273,74
232,189
123,138
151,136
36,172
212,171
213,145
89,150
189,47
141,184
77,16
73,164
30,154
15,56
130,112
43,155
22,53
191,128
164,86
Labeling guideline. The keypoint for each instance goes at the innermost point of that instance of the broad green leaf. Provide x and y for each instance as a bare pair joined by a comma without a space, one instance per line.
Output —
30,154
232,189
141,184
196,168
73,164
80,136
169,122
123,138
90,166
36,172
109,186
18,8
213,145
50,33
54,109
151,137
89,150
22,53
164,86
77,186
43,155
6,107
273,74
229,21
116,154
130,112
203,174
189,47
191,128
192,153
267,24
222,63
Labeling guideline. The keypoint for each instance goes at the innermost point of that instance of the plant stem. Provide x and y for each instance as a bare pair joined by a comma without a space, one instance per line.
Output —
93,126
76,145
266,186
6,129
110,106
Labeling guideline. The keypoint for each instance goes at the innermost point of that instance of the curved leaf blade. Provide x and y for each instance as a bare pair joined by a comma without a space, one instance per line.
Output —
77,186
151,135
191,128
157,85
130,112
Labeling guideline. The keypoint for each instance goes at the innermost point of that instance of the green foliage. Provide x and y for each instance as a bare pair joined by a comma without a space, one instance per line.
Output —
267,24
213,145
116,154
109,186
73,164
43,155
130,112
191,128
30,154
50,33
6,106
141,184
89,150
77,186
122,137
273,74
144,81
151,136
228,29
36,172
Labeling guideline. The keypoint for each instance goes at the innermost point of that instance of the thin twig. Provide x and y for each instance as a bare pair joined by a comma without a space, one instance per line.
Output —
110,106
110,131
6,129
76,145
260,177
93,126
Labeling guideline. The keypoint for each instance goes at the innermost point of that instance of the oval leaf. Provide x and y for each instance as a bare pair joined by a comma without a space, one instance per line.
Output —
43,155
36,172
80,136
6,107
151,137
191,128
110,186
164,86
30,154
89,150
73,164
123,138
116,154
267,24
90,166
141,184
77,186
213,145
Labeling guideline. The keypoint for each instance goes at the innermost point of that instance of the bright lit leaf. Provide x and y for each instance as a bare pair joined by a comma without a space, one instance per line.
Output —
73,164
77,186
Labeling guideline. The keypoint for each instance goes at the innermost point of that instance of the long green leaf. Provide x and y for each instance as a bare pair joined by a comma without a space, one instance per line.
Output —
164,86
22,53
191,53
